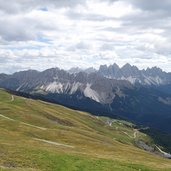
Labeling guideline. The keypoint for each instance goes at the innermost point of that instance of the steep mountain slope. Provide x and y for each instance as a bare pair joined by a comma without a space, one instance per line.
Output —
96,94
36,135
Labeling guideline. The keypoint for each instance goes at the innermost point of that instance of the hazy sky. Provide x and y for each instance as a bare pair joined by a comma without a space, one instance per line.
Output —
39,34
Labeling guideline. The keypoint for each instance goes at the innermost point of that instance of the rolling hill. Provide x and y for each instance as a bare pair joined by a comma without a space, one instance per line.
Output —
36,135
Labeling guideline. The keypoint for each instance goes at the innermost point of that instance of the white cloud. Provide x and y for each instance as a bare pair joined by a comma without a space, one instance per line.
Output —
66,34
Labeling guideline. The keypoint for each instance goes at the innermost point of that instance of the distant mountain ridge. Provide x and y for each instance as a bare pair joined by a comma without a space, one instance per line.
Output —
59,81
149,76
100,94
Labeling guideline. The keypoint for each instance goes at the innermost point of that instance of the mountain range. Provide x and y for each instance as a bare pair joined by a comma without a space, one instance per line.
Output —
142,96
149,76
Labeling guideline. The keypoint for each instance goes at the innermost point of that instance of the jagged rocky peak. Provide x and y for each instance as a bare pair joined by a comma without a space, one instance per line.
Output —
109,71
103,67
114,67
150,76
130,70
154,71
127,66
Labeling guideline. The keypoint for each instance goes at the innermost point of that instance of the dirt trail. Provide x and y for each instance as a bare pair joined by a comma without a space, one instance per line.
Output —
134,136
53,143
24,123
164,153
135,133
5,117
34,126
12,98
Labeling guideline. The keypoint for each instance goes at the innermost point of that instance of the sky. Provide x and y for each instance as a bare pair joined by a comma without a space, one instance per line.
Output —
41,34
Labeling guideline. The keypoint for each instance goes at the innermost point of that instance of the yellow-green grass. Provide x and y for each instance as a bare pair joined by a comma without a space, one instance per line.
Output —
30,128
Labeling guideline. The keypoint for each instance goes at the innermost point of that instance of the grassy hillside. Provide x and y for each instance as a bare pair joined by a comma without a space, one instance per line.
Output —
36,135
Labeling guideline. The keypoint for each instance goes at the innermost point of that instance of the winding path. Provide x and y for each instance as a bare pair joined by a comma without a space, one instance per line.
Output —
134,136
135,133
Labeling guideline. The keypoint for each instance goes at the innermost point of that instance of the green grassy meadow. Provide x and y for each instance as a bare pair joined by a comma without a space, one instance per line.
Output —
40,136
